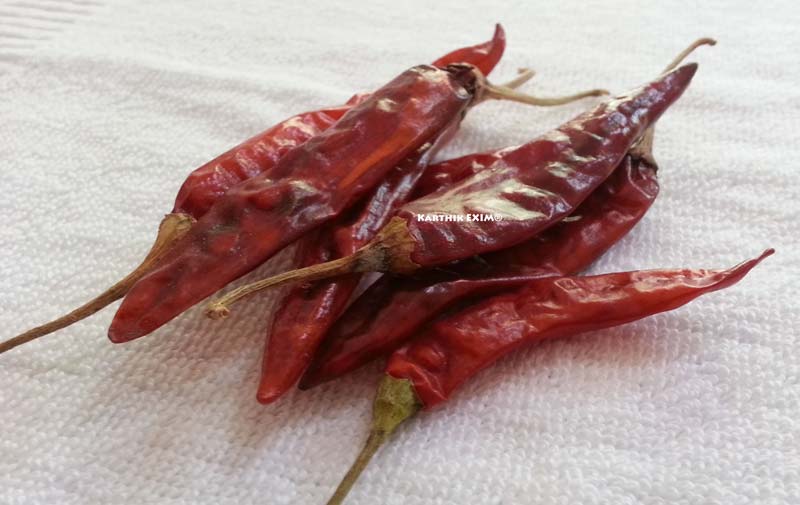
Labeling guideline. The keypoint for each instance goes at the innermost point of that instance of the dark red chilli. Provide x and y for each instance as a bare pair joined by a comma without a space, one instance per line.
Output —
394,309
310,185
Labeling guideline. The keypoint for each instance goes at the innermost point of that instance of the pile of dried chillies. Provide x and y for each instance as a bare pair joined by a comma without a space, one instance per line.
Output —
351,186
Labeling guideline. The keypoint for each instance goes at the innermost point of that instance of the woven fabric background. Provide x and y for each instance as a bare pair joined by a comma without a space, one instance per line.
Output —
105,106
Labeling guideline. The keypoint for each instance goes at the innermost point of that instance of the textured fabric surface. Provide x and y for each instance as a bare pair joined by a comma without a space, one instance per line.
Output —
106,105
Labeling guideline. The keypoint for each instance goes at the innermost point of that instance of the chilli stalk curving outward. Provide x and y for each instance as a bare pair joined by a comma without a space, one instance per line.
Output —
257,155
425,372
531,187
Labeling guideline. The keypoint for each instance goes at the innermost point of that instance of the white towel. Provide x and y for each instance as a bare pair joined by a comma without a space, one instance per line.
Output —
106,106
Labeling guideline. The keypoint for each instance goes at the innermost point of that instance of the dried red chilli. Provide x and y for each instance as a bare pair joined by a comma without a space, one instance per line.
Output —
447,173
207,184
311,185
394,309
307,311
473,349
256,155
426,371
196,195
532,187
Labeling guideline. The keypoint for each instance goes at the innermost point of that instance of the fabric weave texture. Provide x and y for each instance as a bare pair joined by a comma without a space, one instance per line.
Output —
107,105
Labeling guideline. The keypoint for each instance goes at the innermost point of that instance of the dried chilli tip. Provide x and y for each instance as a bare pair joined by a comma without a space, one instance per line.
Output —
425,372
532,188
484,56
310,186
257,155
394,309
644,147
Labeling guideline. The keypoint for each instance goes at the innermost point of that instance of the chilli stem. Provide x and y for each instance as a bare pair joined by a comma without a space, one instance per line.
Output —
643,149
219,309
395,402
374,442
501,92
172,228
705,41
524,75
389,251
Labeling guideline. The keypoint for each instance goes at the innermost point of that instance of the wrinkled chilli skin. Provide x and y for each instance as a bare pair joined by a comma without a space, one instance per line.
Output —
309,186
446,173
208,183
457,347
540,183
205,185
308,310
529,189
394,309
